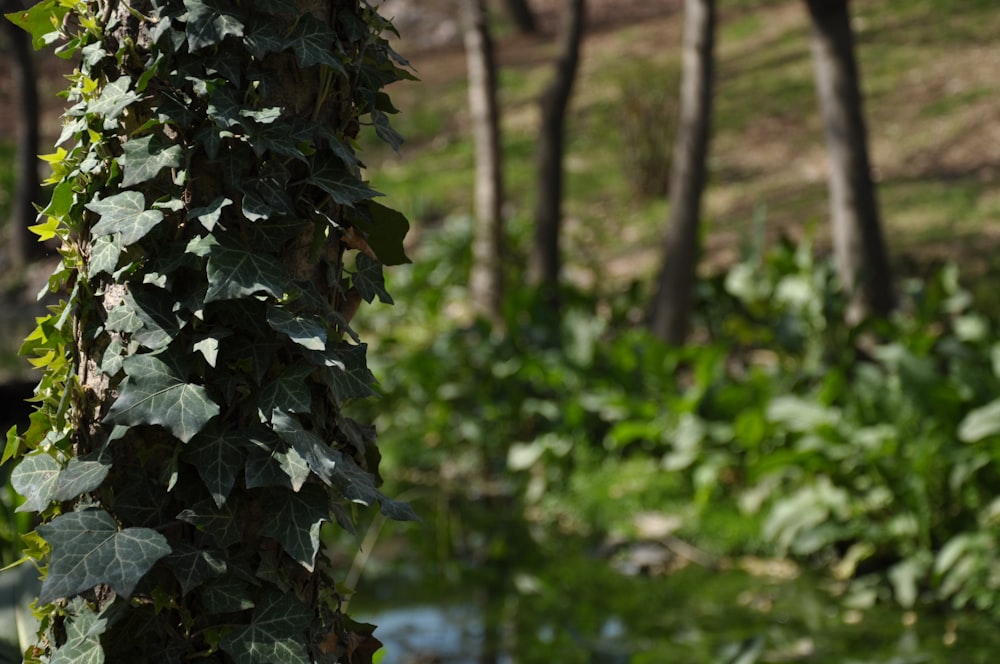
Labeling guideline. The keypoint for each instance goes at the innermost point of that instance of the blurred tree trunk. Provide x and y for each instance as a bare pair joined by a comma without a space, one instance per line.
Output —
21,246
522,16
858,244
670,314
545,259
486,280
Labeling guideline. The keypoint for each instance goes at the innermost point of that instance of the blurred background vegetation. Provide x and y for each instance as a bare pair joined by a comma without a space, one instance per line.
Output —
785,486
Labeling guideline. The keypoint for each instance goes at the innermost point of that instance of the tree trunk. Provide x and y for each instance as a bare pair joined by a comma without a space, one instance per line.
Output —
545,259
858,245
522,16
21,245
486,281
670,314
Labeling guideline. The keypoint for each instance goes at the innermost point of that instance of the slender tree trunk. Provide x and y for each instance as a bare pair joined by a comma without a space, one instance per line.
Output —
545,259
858,244
670,315
20,243
486,280
522,16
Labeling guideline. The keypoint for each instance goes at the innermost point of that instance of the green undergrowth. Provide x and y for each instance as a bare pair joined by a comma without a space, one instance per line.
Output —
866,451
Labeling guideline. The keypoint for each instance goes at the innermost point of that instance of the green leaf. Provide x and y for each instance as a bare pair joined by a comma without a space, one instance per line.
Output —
384,229
35,479
104,254
368,279
347,373
271,463
980,423
288,392
42,22
218,459
332,176
210,214
275,633
294,520
319,456
308,332
145,157
89,550
154,308
81,475
114,99
84,627
234,272
226,596
358,486
192,566
156,392
219,523
313,42
124,213
208,24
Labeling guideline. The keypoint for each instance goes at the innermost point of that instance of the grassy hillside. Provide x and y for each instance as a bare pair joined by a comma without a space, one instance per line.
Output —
932,96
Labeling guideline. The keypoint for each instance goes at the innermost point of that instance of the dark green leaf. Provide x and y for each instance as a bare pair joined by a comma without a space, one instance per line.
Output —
219,523
88,550
145,157
358,486
81,475
234,272
368,279
210,214
208,24
226,596
319,456
288,392
385,131
155,392
313,42
271,463
275,634
384,229
332,176
218,459
124,213
307,331
347,373
294,520
154,308
193,567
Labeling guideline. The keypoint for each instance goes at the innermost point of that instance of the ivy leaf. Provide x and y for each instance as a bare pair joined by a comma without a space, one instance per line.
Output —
384,229
234,273
218,459
208,25
226,596
308,332
192,566
154,309
275,633
385,131
368,279
115,97
288,392
319,456
41,21
124,213
332,176
155,392
104,254
262,38
313,43
294,520
84,627
347,374
209,215
81,475
35,479
271,463
219,523
145,157
88,550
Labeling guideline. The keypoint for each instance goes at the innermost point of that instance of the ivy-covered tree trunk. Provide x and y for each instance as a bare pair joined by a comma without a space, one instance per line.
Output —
670,315
486,282
192,438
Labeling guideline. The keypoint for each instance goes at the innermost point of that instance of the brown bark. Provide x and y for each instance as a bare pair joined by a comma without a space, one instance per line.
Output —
486,282
670,314
859,248
545,259
21,245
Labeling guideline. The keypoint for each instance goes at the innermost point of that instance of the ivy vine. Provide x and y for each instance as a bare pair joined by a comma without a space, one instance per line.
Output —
217,237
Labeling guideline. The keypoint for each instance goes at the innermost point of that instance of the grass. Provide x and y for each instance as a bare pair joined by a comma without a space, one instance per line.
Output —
928,84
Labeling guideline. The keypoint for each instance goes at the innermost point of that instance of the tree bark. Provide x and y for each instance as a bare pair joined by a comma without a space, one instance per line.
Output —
670,314
21,246
486,281
859,248
522,15
545,259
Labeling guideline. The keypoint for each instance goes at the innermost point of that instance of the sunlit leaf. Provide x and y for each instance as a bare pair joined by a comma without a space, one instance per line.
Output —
309,332
124,213
146,157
